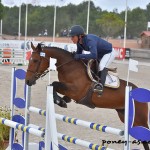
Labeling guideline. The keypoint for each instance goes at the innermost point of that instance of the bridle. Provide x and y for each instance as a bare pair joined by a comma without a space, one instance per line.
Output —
38,75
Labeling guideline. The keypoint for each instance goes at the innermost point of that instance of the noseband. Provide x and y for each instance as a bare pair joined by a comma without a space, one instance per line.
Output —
38,75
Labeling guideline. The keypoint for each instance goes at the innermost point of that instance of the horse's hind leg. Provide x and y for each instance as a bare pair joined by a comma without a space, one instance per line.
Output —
121,114
139,120
146,146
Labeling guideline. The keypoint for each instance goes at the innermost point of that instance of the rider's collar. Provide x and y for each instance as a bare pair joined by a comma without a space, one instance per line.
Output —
81,41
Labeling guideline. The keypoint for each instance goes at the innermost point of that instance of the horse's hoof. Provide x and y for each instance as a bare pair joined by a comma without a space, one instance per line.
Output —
61,103
66,99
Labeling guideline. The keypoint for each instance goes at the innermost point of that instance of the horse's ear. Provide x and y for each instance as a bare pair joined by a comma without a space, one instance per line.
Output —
32,46
39,47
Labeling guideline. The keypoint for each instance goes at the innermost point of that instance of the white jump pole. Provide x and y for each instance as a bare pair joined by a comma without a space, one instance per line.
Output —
74,140
21,127
126,133
27,116
51,140
1,28
75,121
11,102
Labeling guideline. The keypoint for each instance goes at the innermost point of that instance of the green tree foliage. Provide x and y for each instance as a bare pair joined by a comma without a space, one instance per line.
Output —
137,23
10,20
110,23
102,23
148,12
1,10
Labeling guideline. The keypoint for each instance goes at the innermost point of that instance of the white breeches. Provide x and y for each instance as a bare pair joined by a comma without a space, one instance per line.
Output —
107,60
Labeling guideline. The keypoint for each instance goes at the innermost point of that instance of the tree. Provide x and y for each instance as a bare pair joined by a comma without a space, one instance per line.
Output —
101,23
11,16
1,10
148,12
136,22
110,23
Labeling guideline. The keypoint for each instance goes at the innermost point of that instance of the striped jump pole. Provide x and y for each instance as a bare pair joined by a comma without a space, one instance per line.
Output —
75,140
22,127
79,122
81,142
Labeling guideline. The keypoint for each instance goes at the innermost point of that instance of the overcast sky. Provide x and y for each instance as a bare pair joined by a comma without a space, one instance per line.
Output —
103,4
119,4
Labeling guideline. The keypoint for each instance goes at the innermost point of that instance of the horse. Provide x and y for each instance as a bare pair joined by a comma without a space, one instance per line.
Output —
75,84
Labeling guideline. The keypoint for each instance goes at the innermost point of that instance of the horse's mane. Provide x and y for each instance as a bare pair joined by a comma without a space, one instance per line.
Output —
63,51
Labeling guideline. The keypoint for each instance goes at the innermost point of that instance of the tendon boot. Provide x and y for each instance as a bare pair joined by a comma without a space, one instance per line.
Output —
99,86
58,100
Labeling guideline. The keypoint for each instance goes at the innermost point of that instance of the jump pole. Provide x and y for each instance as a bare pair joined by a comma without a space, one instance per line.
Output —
21,127
79,122
51,140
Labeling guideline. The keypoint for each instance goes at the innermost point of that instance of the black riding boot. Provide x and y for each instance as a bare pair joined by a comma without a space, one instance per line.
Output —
103,76
99,87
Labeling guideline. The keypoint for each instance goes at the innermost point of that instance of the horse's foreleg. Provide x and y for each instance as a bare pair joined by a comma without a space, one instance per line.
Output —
58,100
57,87
66,99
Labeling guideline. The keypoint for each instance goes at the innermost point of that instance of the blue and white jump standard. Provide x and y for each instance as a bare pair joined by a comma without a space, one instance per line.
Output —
49,133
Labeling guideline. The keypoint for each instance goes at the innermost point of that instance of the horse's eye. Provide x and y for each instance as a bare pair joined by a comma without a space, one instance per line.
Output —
35,61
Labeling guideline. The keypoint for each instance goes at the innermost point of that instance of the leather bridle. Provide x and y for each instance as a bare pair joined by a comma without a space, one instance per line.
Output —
37,74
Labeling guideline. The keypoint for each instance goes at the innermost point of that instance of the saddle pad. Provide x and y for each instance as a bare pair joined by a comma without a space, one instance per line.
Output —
112,81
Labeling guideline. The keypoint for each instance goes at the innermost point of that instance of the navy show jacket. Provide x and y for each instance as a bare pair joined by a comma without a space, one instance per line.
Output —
95,45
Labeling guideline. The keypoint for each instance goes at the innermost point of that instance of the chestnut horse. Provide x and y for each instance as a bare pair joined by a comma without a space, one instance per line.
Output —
75,84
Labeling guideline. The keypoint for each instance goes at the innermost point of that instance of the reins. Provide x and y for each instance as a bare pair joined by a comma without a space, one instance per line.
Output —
90,70
64,63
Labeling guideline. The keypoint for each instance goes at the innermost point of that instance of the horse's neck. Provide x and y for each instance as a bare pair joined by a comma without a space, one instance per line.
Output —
56,54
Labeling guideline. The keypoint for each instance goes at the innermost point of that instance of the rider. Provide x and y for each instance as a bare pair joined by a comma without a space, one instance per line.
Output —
99,50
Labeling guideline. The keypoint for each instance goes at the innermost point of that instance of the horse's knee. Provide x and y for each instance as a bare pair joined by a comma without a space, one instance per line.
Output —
55,84
59,85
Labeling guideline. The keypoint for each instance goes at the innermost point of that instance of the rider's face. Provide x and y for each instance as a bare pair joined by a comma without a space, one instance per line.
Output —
74,39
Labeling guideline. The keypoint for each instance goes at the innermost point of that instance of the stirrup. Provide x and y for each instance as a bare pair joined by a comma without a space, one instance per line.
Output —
98,88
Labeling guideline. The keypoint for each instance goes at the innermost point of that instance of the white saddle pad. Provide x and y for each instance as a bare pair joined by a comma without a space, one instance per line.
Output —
112,81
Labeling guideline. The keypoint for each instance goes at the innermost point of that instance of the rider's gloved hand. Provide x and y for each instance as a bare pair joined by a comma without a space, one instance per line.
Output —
77,56
73,53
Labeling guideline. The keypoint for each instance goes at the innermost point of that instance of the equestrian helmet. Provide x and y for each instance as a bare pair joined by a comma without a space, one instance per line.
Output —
76,30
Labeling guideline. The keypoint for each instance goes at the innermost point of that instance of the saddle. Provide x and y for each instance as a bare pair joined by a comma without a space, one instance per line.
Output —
112,79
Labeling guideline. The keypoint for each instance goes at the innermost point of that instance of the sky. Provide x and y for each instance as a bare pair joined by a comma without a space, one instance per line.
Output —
121,4
108,5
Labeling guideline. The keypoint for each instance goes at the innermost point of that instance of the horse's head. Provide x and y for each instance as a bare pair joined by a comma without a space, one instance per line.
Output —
38,63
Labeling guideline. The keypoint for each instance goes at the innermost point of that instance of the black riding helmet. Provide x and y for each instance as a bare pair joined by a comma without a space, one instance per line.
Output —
76,30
